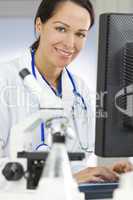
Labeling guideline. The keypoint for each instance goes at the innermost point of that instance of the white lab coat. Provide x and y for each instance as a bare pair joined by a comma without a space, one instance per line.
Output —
17,103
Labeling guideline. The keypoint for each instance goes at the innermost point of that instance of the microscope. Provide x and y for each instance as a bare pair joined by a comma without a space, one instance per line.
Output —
44,173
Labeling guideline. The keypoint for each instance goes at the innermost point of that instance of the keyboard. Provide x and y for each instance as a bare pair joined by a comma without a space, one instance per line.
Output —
98,190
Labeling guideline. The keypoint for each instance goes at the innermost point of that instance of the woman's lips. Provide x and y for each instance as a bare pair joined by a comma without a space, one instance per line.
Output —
64,53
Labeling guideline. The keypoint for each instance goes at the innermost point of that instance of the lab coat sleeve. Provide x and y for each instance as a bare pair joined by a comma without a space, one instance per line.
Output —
5,121
89,97
4,117
90,101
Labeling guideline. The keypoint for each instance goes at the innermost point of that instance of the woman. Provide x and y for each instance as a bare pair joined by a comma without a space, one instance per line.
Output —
61,27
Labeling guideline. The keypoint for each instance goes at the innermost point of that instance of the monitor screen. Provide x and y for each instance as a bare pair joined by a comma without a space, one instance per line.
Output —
114,106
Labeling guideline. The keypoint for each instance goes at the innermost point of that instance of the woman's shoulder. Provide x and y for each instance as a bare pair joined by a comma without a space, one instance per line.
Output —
80,82
10,69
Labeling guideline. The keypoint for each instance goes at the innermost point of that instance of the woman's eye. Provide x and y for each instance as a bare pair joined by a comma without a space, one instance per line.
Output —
81,35
60,29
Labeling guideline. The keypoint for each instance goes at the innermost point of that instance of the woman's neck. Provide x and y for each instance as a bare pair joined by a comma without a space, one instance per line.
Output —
51,73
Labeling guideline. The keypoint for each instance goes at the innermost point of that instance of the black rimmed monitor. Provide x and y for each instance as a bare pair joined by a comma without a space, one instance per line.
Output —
114,106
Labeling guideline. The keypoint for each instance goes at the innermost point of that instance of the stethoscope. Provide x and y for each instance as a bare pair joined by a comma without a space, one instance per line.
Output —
59,94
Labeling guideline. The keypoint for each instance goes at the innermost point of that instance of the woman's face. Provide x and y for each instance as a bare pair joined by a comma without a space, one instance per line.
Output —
63,36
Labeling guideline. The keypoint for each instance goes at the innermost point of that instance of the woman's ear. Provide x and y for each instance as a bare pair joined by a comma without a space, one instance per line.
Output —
38,26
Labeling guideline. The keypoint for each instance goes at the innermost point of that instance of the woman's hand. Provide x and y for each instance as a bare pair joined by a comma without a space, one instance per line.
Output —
122,167
101,174
96,174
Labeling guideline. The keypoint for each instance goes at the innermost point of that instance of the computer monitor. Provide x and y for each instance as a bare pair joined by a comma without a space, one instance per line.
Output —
114,106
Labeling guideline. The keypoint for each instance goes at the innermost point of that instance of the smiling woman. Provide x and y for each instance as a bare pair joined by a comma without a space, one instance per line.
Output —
62,27
60,37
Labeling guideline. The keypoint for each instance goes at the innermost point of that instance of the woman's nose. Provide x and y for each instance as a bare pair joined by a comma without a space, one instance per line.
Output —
69,41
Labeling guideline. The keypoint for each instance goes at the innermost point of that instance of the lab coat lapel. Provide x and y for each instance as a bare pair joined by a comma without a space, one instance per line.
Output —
45,86
67,92
25,62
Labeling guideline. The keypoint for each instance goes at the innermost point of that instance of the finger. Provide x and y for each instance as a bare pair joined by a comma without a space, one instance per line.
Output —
96,179
108,174
109,178
123,167
118,169
128,168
